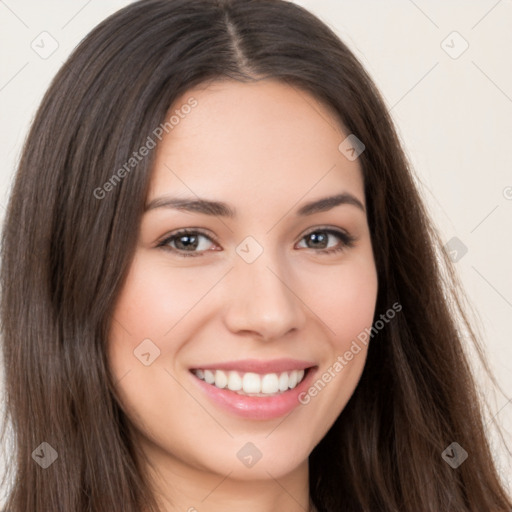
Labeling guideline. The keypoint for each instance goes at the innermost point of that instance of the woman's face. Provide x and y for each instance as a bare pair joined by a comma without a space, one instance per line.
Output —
279,288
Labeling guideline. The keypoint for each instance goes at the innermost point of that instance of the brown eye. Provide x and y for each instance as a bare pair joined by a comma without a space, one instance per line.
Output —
320,238
189,242
186,243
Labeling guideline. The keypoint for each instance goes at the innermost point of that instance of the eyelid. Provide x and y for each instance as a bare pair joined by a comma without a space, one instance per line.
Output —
185,231
330,229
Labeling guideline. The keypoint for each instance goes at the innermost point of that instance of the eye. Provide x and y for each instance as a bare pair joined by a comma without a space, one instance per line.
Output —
187,242
320,239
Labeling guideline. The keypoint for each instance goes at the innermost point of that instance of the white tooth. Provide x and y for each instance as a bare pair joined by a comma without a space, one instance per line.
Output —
292,381
234,381
283,381
270,383
221,379
209,376
251,383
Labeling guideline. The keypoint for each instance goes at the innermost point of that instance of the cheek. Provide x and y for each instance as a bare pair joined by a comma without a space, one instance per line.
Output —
141,317
155,298
151,322
149,306
345,300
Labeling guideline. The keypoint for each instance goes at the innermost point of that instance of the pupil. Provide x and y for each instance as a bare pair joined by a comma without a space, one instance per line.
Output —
189,243
316,237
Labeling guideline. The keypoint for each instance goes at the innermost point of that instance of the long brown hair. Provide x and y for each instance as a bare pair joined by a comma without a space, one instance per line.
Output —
66,253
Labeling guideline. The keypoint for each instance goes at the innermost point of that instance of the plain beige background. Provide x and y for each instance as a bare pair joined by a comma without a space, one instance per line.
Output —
444,69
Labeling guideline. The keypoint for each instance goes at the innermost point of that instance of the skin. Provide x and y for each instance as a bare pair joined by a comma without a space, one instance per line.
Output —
265,148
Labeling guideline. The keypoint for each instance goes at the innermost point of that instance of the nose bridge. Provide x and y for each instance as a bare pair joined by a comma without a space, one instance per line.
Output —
262,298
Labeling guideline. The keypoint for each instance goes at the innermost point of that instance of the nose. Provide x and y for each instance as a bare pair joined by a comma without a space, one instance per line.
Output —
262,300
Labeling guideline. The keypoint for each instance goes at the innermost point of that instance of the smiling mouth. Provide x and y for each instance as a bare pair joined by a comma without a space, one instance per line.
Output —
250,383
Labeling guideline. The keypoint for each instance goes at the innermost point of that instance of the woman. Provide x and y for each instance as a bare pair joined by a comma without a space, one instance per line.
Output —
220,286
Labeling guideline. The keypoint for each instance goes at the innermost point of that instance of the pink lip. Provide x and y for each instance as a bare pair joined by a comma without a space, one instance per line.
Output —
255,407
259,366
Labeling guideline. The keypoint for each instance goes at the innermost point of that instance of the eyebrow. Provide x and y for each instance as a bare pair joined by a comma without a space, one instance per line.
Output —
217,208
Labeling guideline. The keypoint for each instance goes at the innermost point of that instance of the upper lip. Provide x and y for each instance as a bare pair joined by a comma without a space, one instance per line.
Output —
259,365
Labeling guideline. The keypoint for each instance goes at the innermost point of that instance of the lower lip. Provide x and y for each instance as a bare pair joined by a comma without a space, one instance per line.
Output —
253,407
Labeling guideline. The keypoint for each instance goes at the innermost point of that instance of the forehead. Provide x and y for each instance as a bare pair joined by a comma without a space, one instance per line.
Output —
253,139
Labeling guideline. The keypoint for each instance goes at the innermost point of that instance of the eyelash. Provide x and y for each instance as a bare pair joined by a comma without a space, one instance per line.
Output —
347,241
